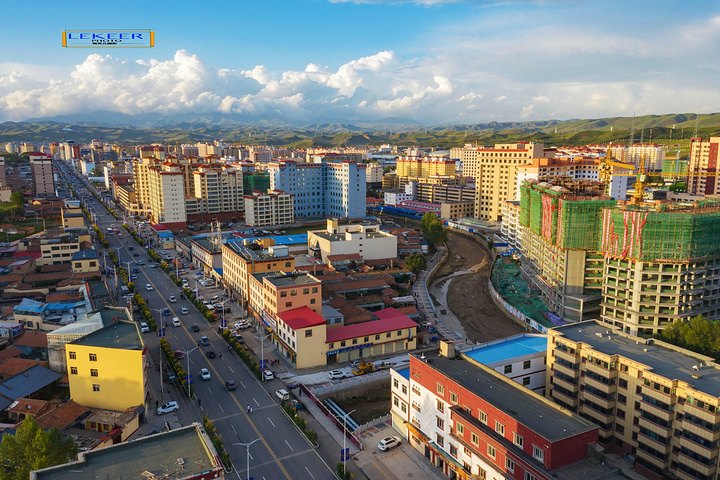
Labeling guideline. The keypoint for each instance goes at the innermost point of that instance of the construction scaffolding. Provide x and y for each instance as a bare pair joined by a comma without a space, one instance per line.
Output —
663,233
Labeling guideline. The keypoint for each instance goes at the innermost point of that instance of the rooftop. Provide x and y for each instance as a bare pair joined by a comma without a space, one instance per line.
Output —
508,348
666,362
158,454
301,317
121,334
528,408
292,279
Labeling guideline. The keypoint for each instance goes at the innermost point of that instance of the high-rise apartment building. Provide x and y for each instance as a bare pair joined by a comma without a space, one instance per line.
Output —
703,167
41,166
3,178
274,207
495,172
331,185
655,403
166,196
423,167
219,189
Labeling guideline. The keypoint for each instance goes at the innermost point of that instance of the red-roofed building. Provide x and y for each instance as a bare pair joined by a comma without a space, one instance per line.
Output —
300,335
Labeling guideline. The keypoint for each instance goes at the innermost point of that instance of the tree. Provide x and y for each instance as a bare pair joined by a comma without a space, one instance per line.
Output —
416,263
97,172
698,334
433,228
17,199
32,448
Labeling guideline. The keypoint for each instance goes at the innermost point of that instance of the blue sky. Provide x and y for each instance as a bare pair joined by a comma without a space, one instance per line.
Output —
433,61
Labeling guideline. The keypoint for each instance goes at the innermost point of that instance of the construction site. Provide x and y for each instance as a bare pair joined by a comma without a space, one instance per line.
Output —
636,265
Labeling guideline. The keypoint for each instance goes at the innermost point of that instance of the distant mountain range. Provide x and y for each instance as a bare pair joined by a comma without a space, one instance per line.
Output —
190,128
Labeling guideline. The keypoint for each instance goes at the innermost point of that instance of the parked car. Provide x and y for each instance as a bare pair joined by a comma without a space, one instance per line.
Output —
336,374
184,310
230,385
238,337
176,322
242,325
163,252
210,354
282,394
388,442
268,375
214,298
205,374
168,407
144,328
172,299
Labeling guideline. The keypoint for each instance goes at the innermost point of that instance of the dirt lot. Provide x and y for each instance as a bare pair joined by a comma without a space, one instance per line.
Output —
468,296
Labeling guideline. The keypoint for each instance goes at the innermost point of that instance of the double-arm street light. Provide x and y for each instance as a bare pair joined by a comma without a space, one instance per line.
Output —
344,452
247,448
262,353
161,334
187,355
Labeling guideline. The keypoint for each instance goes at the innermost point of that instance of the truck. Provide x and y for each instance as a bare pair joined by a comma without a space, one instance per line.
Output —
363,367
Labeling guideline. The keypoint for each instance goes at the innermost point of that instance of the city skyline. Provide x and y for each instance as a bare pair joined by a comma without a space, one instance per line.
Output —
428,61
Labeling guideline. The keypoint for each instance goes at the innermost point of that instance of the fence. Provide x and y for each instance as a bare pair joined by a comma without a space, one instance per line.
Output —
348,434
379,376
513,312
372,423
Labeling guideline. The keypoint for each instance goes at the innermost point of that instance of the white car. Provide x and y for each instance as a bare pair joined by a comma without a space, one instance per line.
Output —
168,407
336,374
282,394
205,374
215,298
268,375
184,310
172,299
176,322
388,442
242,325
148,287
163,252
144,327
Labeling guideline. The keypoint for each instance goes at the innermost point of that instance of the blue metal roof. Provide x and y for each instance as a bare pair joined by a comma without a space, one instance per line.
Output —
164,234
279,239
405,372
28,305
512,348
219,271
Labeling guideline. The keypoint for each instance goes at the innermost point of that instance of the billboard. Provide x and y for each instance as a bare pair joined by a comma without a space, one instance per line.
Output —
108,38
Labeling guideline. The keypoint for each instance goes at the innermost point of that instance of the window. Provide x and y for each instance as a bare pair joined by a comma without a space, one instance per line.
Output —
509,465
388,334
283,294
453,451
483,417
529,476
439,440
377,337
314,289
526,364
491,452
93,372
526,381
396,384
355,341
453,398
73,370
508,368
440,389
306,291
93,357
404,389
475,439
96,387
342,344
440,406
538,453
72,355
288,304
403,407
460,428
396,402
500,428
440,423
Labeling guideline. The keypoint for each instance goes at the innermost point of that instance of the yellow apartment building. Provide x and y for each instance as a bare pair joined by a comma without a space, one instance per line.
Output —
72,216
241,259
423,167
654,402
107,369
287,291
300,336
86,261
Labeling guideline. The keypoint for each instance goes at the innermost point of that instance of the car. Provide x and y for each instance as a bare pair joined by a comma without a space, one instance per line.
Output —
210,307
230,385
238,337
242,325
176,322
195,328
179,354
172,299
136,254
205,374
112,225
184,310
388,442
214,299
136,270
168,407
140,262
204,341
133,277
205,302
148,287
168,257
131,248
119,235
210,354
163,252
268,375
226,310
154,265
282,394
144,328
166,311
336,374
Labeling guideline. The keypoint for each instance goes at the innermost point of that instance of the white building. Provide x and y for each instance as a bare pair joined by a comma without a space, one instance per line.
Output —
374,173
396,198
364,239
269,209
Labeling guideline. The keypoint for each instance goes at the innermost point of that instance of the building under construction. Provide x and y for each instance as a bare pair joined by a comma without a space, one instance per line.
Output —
636,266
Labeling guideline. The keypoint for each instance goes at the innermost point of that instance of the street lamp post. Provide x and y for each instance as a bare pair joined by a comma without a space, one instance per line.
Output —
223,323
344,452
161,334
262,353
247,448
187,372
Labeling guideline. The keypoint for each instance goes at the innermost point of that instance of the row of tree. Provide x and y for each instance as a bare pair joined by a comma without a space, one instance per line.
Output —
697,334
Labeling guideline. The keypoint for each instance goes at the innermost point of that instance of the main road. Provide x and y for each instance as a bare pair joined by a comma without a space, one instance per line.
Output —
282,450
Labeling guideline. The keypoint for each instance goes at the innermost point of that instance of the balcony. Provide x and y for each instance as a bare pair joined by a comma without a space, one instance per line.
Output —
707,470
561,397
566,370
603,387
566,384
665,415
650,458
696,447
603,418
570,357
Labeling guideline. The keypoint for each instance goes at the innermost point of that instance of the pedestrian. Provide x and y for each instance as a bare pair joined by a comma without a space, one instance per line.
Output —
220,354
248,408
157,403
199,402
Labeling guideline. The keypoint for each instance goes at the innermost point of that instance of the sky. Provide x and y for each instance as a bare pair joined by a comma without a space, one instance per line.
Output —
309,61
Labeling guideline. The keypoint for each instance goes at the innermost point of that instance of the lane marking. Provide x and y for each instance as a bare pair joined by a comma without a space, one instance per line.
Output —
256,402
231,370
221,408
271,422
289,446
310,473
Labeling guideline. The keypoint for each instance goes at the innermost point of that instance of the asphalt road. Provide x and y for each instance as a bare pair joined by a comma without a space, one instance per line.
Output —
282,451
